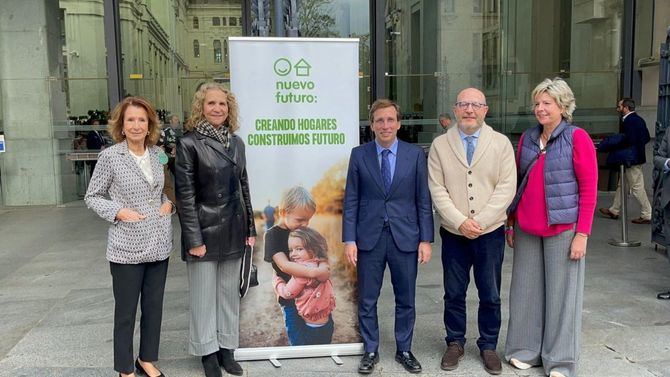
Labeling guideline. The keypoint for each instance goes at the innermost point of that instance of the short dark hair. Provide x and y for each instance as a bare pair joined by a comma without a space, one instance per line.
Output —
382,104
629,103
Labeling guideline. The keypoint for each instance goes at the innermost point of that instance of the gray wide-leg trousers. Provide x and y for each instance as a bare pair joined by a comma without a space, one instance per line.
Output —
545,304
214,296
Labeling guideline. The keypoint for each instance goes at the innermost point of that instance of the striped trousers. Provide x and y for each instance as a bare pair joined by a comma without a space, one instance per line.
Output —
545,303
214,296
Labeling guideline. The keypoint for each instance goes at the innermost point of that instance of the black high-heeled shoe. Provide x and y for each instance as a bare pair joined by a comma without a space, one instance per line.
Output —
141,371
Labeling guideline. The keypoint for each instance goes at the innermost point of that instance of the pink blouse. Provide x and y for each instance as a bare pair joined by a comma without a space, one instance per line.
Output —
531,213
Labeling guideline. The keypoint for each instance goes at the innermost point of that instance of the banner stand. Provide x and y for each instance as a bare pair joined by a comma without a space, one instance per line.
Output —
298,102
273,354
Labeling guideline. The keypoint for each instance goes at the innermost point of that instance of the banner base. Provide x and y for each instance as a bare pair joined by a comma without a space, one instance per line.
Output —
298,352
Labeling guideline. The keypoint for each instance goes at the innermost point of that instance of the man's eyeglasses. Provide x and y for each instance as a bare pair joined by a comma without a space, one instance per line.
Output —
475,105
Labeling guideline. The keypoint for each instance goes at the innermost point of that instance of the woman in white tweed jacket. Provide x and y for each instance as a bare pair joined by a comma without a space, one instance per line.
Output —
126,189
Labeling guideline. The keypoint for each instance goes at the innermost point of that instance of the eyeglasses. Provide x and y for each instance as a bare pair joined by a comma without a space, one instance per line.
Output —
475,105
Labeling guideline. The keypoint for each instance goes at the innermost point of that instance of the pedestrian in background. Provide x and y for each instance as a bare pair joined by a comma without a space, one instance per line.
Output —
630,147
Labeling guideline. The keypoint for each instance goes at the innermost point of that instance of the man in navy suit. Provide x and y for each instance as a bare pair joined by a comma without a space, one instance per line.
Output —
387,220
95,142
635,137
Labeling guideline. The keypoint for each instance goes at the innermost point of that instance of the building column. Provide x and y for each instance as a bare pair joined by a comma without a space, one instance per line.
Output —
32,98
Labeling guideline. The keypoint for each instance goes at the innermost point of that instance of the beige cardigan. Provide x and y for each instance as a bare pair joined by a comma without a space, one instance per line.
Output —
482,191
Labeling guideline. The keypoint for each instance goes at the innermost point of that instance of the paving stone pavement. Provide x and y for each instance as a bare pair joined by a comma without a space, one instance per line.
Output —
56,307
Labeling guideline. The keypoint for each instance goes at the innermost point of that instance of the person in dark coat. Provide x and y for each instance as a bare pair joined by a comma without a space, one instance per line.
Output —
634,137
217,223
95,141
662,163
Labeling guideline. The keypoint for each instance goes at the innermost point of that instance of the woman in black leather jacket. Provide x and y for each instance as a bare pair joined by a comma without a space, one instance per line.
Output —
216,223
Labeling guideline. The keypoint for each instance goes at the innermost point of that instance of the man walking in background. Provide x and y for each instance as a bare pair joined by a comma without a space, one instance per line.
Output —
635,136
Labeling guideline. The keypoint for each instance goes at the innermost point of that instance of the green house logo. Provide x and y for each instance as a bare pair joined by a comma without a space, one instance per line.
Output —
283,67
302,68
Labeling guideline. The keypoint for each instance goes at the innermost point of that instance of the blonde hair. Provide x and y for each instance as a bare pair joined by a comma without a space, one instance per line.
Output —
559,90
115,126
294,198
197,113
313,241
383,103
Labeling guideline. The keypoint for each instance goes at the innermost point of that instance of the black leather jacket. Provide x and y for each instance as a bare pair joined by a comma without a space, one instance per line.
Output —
213,197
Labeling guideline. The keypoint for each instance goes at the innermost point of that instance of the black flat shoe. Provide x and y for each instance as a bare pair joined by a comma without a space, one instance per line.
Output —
367,364
226,359
408,361
211,366
141,371
663,296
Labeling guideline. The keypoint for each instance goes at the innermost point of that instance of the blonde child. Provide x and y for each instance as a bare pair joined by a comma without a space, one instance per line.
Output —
314,299
296,208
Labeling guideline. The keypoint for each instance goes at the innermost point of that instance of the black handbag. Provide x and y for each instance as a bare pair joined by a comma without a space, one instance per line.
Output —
248,271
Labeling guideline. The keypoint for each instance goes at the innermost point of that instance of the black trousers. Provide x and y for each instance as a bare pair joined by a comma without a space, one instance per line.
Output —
129,283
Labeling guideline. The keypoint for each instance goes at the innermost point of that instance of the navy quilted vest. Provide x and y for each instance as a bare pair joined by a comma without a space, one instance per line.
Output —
560,183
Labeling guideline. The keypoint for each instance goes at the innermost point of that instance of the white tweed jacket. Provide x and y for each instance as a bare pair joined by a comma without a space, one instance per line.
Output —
118,182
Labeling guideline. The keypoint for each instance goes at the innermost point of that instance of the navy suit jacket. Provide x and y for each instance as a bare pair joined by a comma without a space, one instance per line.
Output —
637,136
407,204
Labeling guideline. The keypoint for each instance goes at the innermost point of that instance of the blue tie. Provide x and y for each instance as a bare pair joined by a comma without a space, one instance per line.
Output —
471,148
386,170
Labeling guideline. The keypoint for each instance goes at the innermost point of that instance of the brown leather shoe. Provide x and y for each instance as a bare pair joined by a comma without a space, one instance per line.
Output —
492,362
607,213
451,356
640,220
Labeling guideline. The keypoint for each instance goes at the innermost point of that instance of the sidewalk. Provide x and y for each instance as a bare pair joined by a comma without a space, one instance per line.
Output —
56,307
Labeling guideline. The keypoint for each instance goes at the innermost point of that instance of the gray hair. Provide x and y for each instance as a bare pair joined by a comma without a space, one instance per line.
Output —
559,90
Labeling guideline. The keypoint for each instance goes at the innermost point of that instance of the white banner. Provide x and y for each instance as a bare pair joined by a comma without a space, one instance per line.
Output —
298,101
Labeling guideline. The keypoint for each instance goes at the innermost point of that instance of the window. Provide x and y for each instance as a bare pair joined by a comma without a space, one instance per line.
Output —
196,23
216,21
477,6
196,48
223,21
218,58
232,21
450,6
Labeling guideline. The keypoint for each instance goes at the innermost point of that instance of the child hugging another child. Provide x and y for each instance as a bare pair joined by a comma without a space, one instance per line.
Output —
314,299
296,208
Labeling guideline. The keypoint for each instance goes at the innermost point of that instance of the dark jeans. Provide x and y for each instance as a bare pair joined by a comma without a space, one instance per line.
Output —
320,335
129,282
370,267
295,326
484,255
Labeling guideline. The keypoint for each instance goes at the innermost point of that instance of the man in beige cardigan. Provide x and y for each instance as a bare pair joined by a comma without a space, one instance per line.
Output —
472,180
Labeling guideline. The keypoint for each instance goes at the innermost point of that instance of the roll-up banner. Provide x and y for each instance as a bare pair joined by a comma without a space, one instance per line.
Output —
298,102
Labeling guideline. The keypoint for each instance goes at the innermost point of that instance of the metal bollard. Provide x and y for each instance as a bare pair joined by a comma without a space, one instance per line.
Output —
625,242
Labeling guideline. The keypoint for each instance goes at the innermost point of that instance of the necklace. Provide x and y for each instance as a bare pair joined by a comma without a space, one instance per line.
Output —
544,138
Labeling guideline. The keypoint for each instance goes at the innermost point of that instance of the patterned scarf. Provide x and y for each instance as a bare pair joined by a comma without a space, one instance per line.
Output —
221,134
